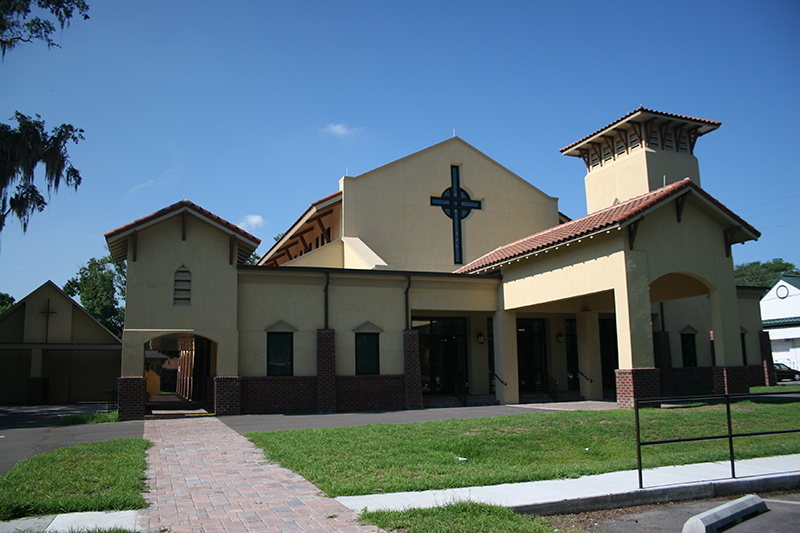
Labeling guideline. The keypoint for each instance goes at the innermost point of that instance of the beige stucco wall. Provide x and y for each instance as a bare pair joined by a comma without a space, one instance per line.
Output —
297,299
390,209
149,310
331,255
59,328
636,173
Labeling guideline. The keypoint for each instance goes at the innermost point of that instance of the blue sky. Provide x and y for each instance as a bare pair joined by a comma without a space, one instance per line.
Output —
255,109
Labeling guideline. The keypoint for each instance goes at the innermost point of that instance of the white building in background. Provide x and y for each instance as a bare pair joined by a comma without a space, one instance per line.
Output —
780,311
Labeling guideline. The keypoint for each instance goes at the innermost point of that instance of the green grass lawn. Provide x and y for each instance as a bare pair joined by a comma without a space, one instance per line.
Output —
93,418
525,447
101,476
466,517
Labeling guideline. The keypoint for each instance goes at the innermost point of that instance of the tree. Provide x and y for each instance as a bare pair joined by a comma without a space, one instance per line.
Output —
758,274
101,286
15,27
6,301
23,148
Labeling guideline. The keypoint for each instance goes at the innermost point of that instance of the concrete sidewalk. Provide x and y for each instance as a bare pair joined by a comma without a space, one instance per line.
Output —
561,496
605,491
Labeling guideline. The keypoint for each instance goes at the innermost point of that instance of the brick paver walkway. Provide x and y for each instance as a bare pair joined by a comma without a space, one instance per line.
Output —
205,477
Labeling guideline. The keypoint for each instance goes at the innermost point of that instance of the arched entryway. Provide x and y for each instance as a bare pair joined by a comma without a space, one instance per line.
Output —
182,363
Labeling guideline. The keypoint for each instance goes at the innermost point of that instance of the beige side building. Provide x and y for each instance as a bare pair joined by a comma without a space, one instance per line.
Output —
444,278
53,351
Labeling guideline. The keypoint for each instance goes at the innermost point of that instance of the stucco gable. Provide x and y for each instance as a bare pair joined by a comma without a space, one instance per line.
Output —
75,325
117,239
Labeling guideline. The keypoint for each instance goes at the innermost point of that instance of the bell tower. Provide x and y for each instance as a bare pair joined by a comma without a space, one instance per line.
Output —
638,153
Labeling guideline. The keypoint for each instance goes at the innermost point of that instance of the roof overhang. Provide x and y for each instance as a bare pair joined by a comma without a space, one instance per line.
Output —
699,126
307,222
118,239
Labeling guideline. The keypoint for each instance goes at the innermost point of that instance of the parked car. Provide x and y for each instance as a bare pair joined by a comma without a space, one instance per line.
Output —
783,372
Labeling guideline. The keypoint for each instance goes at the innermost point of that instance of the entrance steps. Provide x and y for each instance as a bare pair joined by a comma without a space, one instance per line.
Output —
473,400
161,415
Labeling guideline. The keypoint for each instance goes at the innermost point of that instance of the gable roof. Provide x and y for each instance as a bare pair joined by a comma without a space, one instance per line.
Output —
791,279
119,249
316,209
618,215
52,285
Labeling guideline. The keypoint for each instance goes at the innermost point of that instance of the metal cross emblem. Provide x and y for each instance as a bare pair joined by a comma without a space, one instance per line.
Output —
457,205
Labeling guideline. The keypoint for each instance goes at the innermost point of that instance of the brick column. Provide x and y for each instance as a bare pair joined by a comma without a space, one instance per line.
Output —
731,379
413,371
131,398
663,361
326,370
227,395
766,359
636,383
38,391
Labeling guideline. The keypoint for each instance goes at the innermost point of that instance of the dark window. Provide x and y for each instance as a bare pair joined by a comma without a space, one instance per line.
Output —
279,353
367,354
688,349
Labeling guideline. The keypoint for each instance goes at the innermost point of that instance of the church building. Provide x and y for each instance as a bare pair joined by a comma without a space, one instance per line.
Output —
443,278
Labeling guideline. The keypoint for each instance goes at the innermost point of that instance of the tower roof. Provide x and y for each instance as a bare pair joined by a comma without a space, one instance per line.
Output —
641,121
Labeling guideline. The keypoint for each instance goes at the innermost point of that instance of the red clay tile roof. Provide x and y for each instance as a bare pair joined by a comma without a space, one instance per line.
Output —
584,226
329,197
641,109
175,207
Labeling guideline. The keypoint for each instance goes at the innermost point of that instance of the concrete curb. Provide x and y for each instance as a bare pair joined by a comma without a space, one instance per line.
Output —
701,491
726,515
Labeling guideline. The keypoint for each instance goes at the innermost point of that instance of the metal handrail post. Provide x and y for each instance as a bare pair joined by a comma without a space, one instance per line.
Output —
638,443
730,434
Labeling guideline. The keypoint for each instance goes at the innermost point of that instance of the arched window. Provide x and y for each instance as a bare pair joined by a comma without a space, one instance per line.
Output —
183,287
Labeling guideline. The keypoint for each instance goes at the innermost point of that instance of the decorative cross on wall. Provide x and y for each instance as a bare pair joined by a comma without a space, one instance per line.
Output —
47,312
456,204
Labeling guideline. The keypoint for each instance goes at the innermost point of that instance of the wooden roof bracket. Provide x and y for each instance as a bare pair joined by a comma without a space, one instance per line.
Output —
647,130
596,148
728,235
624,139
184,222
638,131
322,229
610,145
679,203
677,133
692,136
585,156
632,229
662,134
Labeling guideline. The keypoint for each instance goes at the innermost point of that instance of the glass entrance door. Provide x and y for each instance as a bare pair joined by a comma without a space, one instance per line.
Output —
532,354
443,353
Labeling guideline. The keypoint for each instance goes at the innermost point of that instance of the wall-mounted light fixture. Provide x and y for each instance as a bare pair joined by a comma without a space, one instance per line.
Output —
560,337
480,338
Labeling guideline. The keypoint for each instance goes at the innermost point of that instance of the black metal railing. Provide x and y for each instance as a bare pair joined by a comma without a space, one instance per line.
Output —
552,387
498,378
111,397
730,435
461,389
587,378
